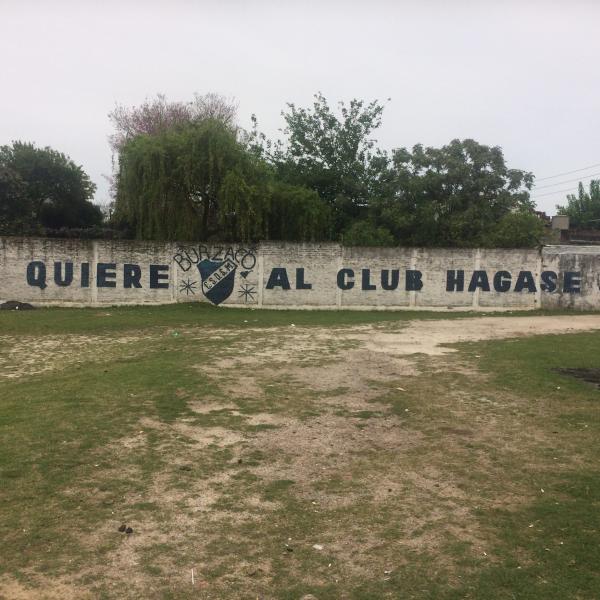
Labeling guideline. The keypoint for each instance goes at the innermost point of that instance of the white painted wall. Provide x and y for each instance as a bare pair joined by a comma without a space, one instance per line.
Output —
319,275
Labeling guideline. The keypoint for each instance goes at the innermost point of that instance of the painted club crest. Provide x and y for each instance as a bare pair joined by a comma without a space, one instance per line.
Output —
218,278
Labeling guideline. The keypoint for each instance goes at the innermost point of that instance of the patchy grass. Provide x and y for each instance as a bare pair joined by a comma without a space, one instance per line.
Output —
120,318
278,462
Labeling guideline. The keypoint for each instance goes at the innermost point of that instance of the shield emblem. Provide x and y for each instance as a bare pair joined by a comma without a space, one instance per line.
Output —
218,278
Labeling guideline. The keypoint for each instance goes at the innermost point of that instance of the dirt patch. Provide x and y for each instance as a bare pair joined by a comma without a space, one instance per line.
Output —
41,589
31,355
431,337
384,456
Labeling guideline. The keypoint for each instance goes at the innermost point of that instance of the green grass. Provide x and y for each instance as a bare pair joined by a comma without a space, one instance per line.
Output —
455,511
120,318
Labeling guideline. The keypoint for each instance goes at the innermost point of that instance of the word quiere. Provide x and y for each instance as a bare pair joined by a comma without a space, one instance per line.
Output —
63,275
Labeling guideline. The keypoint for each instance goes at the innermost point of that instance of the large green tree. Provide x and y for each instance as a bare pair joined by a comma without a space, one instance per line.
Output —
42,188
158,114
16,210
583,209
461,194
333,153
198,181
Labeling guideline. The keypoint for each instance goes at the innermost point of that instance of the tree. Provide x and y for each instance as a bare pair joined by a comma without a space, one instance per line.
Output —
452,196
366,233
332,154
16,213
519,229
187,172
159,115
583,209
197,181
43,188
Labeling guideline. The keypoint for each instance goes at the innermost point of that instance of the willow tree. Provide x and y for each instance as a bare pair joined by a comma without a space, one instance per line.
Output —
169,184
199,182
297,214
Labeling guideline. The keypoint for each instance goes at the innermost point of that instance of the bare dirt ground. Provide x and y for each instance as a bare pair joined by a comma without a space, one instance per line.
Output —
25,357
311,405
429,337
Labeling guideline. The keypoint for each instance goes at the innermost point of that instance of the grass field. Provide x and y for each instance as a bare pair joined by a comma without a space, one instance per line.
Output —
290,455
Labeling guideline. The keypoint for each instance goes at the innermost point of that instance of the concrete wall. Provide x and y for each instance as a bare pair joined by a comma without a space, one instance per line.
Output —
281,275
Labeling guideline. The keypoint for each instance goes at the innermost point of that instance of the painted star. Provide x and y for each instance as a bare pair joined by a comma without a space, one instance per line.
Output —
188,287
247,292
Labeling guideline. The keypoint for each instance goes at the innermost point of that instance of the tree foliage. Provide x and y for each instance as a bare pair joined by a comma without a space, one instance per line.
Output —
451,196
583,209
186,171
42,188
198,181
332,154
366,233
158,115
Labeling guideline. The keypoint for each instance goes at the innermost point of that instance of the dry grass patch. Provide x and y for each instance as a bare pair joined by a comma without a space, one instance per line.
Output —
287,461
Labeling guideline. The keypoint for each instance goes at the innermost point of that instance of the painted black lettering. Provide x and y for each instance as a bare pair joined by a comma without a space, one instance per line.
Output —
278,278
183,261
58,275
413,280
549,279
36,274
366,280
345,279
131,276
248,261
455,281
300,283
572,282
388,283
85,275
502,281
105,275
192,255
480,280
525,280
159,277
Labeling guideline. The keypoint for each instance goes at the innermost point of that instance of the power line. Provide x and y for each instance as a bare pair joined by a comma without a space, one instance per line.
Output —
554,192
567,172
541,187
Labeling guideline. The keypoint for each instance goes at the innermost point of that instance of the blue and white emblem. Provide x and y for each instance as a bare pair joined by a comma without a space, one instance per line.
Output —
218,278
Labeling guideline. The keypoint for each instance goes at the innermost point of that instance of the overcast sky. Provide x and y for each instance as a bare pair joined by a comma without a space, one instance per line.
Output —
524,75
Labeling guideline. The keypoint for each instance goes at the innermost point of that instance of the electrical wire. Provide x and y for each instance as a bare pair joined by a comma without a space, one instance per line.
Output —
568,172
542,187
571,190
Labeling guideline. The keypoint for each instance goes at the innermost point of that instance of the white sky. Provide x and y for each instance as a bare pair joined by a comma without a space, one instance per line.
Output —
524,75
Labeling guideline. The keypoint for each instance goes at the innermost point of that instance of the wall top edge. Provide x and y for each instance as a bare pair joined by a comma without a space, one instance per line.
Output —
279,244
264,243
